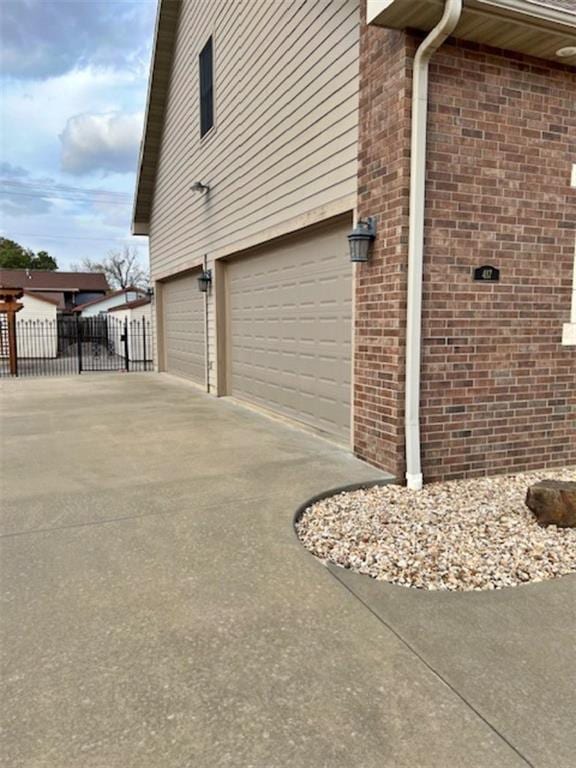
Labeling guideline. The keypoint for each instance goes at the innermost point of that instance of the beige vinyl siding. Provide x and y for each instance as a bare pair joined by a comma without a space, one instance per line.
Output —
283,152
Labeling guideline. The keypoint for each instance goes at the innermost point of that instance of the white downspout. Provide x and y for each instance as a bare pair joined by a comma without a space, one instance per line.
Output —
429,46
206,329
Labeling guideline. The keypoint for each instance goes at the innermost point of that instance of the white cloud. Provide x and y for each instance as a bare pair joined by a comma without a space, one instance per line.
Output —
73,79
101,142
43,108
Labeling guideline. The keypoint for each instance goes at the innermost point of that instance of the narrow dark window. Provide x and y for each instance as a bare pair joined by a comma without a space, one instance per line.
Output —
206,88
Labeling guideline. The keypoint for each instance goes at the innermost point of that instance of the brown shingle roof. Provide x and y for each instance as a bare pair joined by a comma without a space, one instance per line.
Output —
131,304
130,289
44,280
57,296
43,297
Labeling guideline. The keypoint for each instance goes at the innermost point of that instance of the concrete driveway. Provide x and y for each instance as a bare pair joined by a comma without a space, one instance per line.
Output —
159,613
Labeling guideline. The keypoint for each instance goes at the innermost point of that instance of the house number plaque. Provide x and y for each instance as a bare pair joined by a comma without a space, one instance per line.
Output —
487,274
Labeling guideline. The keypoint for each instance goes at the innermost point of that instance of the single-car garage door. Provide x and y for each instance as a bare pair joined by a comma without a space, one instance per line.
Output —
291,328
183,316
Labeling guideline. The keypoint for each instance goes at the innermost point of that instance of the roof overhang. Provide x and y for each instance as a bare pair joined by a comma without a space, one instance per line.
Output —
525,26
158,84
36,295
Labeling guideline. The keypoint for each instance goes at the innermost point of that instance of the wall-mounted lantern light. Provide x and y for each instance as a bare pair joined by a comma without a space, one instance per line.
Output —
360,239
204,280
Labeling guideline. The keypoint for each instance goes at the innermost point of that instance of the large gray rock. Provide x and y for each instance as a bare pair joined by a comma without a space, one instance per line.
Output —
553,502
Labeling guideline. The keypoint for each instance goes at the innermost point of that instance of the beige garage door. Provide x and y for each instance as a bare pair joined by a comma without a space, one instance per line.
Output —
291,328
183,307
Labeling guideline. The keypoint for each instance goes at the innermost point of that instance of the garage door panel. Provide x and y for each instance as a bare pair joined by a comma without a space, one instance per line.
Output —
184,343
291,319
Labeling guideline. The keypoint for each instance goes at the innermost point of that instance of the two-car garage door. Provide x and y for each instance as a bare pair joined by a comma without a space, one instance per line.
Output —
290,325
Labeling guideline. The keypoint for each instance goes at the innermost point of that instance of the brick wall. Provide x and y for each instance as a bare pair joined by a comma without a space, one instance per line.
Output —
498,389
384,168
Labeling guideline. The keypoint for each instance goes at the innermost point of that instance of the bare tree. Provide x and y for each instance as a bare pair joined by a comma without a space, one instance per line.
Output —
87,265
122,268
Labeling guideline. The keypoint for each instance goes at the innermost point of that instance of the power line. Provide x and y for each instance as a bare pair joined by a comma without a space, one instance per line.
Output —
63,188
70,198
73,237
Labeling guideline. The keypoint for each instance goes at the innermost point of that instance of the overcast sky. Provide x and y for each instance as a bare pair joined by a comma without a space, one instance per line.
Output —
73,75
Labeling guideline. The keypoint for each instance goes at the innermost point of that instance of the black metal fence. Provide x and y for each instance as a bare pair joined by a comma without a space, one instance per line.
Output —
69,345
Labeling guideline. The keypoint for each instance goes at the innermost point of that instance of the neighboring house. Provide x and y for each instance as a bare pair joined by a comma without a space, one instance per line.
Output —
103,304
36,327
136,316
69,288
271,127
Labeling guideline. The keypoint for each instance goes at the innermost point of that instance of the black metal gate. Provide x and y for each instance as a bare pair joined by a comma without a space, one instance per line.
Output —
103,344
72,344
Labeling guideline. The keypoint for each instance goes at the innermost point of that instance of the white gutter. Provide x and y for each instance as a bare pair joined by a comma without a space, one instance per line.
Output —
401,14
437,36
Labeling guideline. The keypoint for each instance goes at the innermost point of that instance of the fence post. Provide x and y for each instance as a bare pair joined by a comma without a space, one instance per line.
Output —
126,345
79,341
144,342
12,343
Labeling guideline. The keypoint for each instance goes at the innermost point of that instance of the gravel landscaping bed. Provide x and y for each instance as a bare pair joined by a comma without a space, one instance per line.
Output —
460,535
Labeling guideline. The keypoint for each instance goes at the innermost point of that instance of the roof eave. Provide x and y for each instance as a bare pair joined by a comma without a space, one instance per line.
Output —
158,82
38,297
107,297
140,227
523,26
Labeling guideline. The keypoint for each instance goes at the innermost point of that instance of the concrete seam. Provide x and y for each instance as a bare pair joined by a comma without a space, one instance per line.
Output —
122,519
433,670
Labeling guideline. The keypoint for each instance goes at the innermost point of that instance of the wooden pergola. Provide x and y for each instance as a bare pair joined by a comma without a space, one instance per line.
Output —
9,305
